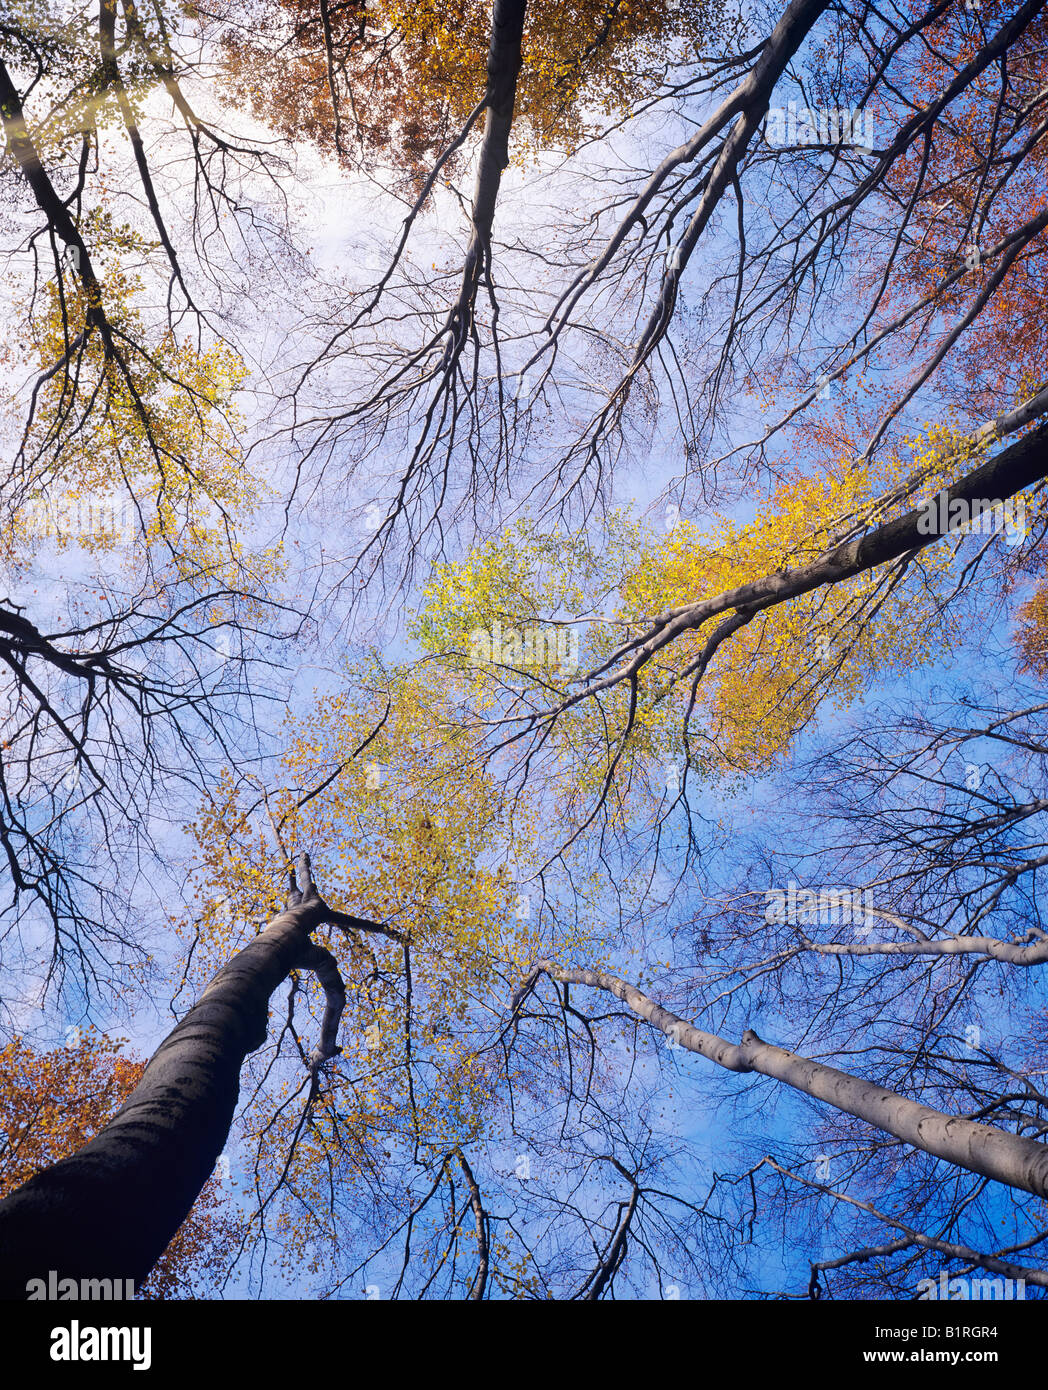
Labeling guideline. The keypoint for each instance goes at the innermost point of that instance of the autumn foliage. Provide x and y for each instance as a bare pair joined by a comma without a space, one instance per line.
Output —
54,1102
398,80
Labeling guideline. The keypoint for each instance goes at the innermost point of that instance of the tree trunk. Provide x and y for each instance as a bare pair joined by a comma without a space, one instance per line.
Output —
110,1210
504,62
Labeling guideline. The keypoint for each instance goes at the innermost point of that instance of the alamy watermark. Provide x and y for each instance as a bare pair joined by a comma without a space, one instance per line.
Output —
90,514
77,1343
942,515
529,646
790,126
818,907
54,1289
968,1287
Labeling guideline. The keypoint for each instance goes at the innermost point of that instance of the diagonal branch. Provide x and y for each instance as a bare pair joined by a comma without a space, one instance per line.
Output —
979,1148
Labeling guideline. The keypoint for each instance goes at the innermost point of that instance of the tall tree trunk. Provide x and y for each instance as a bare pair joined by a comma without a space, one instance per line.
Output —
110,1210
504,62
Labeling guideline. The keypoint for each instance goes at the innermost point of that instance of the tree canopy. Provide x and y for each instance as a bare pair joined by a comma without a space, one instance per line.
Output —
523,641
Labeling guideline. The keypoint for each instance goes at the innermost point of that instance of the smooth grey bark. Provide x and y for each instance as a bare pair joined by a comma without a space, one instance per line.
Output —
1011,952
983,1149
110,1210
